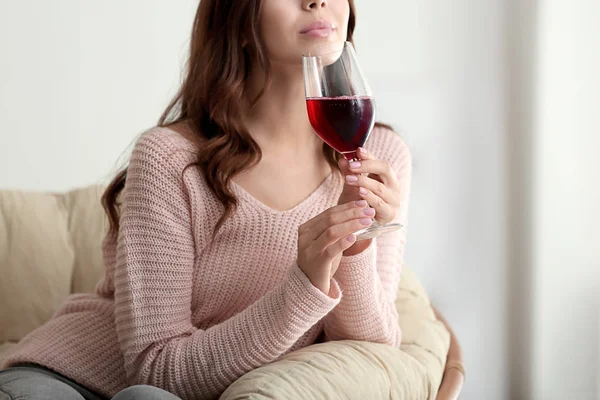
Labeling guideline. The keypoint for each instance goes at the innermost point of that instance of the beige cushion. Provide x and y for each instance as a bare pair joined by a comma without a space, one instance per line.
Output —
87,224
360,370
36,261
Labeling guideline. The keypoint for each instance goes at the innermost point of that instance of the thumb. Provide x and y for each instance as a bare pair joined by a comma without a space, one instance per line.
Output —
344,166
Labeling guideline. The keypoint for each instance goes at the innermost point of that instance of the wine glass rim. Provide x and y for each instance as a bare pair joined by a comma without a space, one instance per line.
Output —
342,44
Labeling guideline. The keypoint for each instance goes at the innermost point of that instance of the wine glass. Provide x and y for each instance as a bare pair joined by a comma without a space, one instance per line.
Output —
341,107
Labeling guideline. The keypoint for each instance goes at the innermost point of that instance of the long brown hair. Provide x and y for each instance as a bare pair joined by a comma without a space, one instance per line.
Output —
225,35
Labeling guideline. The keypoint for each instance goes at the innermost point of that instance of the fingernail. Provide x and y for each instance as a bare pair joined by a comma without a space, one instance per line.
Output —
351,238
369,211
361,203
363,191
351,178
366,221
355,164
363,150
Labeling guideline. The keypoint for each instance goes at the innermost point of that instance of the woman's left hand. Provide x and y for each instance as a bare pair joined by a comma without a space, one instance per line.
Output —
374,181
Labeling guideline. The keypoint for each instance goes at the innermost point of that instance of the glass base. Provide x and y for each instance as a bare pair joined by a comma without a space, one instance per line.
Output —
377,230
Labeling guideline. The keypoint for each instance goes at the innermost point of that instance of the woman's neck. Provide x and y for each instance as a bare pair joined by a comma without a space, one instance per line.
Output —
279,122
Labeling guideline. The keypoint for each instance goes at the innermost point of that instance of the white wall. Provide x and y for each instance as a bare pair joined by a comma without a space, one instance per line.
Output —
567,193
437,69
79,80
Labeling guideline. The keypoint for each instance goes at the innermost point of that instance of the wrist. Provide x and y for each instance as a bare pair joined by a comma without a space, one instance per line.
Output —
322,286
325,289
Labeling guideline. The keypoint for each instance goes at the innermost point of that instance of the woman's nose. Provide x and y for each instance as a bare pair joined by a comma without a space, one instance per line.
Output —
313,5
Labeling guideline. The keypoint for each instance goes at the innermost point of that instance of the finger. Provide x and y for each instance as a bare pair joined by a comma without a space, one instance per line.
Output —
384,210
333,220
381,168
344,166
337,249
347,191
338,232
313,224
364,154
378,188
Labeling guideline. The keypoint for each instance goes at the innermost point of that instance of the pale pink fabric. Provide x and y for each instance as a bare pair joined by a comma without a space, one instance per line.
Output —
176,313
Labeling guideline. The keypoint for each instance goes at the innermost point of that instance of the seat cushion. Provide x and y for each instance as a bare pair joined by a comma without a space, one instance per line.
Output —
360,370
87,225
36,261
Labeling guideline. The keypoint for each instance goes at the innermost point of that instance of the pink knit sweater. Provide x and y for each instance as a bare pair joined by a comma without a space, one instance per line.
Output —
175,313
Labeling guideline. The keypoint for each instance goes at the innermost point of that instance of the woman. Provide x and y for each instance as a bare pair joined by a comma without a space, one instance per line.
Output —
231,237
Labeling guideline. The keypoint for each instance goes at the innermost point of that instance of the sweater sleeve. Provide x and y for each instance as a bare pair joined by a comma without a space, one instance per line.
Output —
369,280
153,291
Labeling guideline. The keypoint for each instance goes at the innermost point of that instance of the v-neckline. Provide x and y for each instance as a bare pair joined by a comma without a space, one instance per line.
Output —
259,204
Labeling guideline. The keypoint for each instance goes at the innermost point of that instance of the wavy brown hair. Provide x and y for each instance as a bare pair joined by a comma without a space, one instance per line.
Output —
211,100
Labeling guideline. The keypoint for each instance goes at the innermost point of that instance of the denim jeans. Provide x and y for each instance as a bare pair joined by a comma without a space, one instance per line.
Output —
31,382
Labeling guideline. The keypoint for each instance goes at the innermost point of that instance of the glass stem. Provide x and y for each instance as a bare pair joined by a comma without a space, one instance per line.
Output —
358,159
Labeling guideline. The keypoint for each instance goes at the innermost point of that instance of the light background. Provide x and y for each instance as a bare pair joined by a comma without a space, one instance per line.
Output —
498,100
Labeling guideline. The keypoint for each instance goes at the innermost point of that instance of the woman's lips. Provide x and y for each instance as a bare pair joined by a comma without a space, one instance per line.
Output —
318,29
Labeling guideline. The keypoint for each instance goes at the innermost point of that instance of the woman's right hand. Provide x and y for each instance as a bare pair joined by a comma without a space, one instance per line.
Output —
323,239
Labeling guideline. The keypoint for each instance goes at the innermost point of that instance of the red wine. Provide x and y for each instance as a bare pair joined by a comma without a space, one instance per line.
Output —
344,123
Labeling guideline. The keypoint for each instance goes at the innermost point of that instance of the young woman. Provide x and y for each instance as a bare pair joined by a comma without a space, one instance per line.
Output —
231,240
